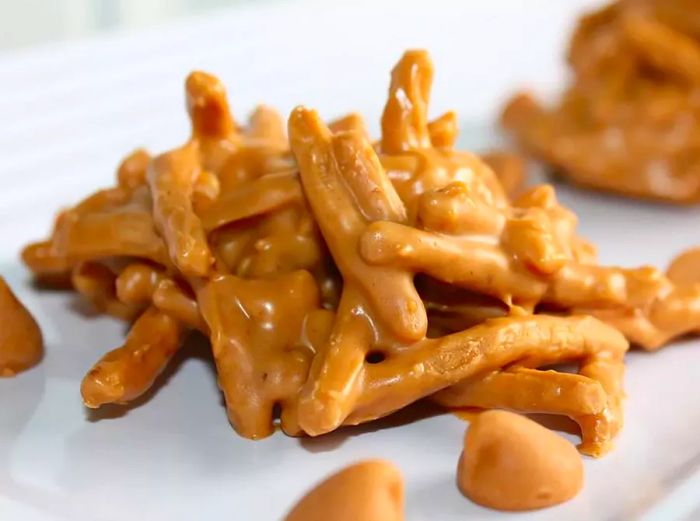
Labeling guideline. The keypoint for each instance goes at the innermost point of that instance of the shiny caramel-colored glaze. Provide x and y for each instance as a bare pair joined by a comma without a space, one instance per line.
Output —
339,280
176,299
281,242
127,372
43,258
260,225
263,234
131,173
529,341
414,164
370,490
675,312
257,329
343,387
531,256
628,121
352,122
113,222
97,284
592,398
267,126
528,390
466,227
257,303
443,130
172,177
468,234
140,284
258,196
213,126
137,282
512,463
510,169
21,343
333,169
152,216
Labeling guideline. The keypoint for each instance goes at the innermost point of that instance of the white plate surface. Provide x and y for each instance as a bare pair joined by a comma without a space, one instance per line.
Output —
70,112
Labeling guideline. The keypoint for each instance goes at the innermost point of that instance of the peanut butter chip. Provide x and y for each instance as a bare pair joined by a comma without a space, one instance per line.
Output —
512,463
367,491
21,345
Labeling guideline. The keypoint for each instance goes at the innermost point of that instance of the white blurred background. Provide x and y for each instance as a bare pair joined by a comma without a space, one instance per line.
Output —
264,49
28,22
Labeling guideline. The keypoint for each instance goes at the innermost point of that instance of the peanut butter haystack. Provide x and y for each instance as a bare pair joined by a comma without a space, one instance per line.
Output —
339,281
629,122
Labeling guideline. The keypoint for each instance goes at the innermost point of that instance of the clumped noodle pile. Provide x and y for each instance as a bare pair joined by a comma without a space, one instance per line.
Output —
630,120
340,279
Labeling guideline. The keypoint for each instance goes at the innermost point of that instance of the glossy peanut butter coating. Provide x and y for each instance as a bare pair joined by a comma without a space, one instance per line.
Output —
339,280
509,167
628,122
379,317
128,371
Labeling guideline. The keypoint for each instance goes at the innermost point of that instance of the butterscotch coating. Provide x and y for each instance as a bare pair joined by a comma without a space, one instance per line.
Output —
530,341
528,390
259,331
462,229
132,171
313,264
171,178
532,256
348,191
21,343
213,126
371,490
511,463
267,126
128,371
136,283
175,300
96,282
417,155
109,223
509,167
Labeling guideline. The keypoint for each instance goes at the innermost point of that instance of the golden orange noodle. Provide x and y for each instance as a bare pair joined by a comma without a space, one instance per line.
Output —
339,280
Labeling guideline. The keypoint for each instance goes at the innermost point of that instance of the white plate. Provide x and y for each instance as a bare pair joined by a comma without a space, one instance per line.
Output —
70,112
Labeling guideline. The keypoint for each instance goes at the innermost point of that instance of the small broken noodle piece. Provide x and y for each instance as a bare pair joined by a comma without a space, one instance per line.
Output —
340,279
129,371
